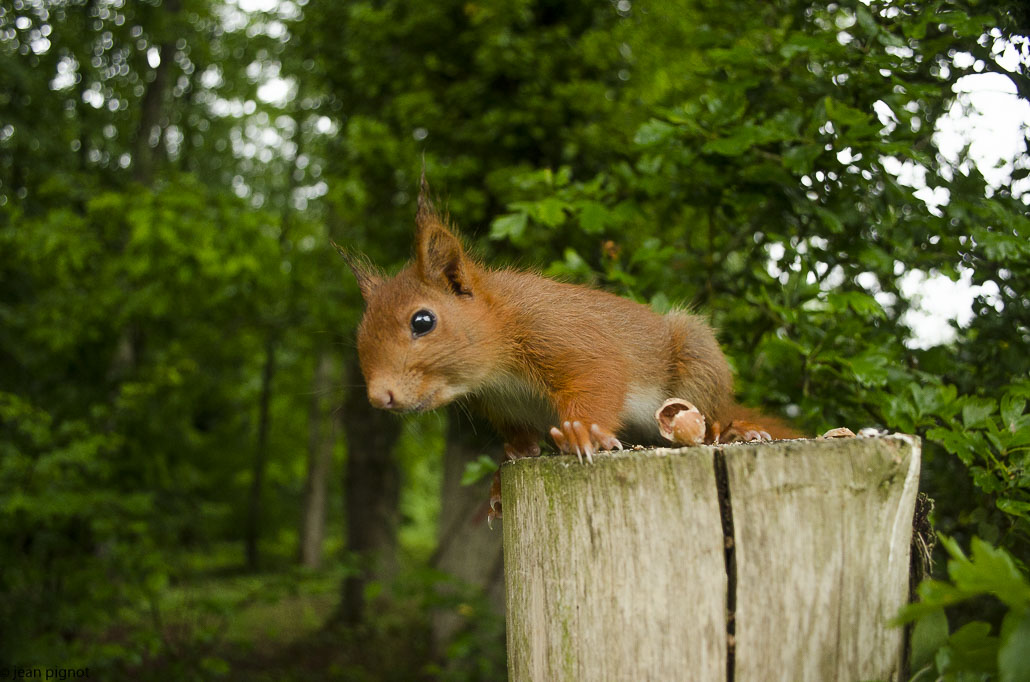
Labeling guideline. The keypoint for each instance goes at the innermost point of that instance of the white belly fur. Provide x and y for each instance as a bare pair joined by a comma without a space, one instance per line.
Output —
638,413
516,401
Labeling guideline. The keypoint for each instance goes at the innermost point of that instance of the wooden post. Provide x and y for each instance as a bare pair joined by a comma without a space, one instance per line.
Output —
772,561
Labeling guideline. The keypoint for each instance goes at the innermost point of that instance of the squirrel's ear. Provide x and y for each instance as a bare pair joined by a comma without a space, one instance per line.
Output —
369,276
439,256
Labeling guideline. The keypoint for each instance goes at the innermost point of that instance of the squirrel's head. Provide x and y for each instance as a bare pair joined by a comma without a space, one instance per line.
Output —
427,336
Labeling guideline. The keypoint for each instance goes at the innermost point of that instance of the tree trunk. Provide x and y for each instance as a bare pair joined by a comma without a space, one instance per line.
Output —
143,157
186,146
253,526
468,549
321,438
82,110
774,561
372,494
252,529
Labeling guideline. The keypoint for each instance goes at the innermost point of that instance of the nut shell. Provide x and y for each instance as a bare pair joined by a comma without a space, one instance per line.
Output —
680,422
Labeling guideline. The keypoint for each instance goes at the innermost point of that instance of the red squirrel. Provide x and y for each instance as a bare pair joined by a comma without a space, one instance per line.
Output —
535,355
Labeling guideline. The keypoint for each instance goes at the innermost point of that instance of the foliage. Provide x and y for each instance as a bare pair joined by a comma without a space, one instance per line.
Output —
990,437
760,191
115,464
478,469
971,651
166,284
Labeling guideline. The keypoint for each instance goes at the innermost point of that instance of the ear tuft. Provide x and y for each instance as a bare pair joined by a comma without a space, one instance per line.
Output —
439,256
369,277
427,215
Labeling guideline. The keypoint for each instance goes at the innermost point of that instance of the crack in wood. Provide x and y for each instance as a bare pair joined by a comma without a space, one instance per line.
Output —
722,485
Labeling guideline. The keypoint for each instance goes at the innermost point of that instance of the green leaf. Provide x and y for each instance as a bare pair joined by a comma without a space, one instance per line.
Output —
876,259
952,547
964,25
478,469
1014,654
549,211
845,115
976,412
799,43
653,132
830,219
866,20
660,303
931,399
929,634
990,570
861,303
986,479
970,649
935,593
1000,247
1014,507
743,139
800,159
593,216
510,226
957,443
899,413
1012,408
869,368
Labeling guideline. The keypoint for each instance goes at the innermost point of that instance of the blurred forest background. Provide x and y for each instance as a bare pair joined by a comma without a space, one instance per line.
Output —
192,484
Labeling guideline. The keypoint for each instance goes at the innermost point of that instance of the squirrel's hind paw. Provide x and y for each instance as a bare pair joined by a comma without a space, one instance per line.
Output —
495,500
746,432
512,451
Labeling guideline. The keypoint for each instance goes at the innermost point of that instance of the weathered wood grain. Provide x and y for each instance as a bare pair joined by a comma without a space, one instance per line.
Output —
614,571
617,571
822,550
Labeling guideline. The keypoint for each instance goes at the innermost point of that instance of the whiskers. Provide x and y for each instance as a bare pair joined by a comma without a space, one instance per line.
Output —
462,405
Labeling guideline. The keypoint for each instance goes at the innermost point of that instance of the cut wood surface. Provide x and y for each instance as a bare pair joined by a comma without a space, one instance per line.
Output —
618,571
608,566
823,531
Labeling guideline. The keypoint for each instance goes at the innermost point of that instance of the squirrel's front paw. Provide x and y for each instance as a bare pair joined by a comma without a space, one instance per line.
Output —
574,437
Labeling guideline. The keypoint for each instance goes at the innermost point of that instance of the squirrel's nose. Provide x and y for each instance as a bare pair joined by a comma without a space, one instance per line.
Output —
381,397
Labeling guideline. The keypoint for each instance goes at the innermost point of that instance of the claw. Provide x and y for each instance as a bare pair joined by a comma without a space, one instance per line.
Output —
573,437
744,432
571,443
582,438
607,441
495,500
559,439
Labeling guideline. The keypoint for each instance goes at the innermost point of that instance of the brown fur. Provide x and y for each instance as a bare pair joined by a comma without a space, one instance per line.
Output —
533,353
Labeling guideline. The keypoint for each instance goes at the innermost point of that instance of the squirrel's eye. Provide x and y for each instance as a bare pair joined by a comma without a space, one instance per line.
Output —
422,322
